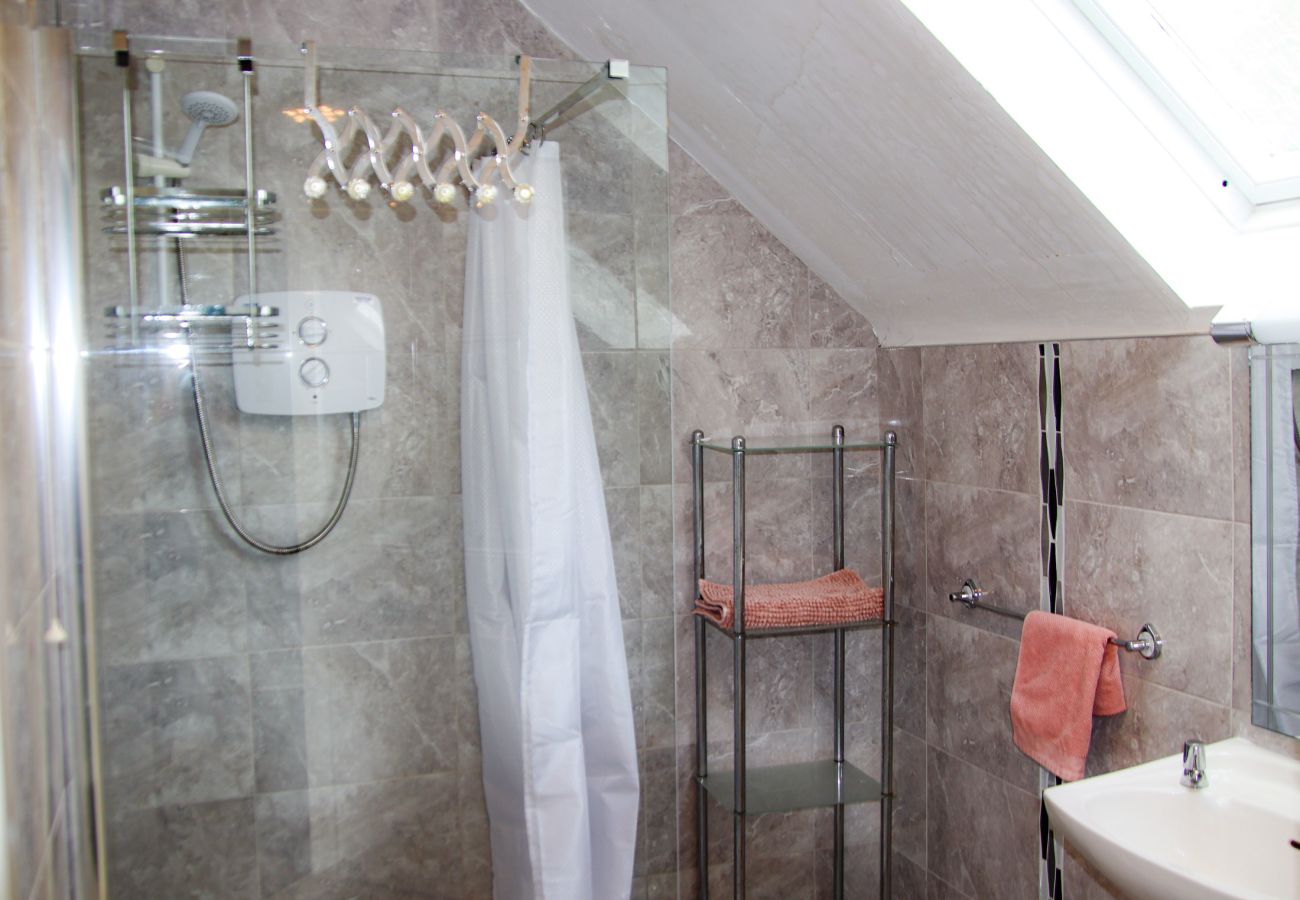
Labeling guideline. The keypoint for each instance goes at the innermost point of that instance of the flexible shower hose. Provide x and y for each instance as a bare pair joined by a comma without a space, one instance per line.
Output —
209,454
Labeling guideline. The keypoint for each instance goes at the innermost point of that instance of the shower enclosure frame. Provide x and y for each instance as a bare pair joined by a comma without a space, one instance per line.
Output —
403,63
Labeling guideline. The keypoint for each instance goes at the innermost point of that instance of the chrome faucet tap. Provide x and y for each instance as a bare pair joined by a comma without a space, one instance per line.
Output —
1194,775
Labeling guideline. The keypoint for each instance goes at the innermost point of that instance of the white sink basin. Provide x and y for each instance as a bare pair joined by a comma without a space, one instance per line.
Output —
1155,838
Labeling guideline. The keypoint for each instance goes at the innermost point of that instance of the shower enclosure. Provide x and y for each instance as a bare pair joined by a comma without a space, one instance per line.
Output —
304,724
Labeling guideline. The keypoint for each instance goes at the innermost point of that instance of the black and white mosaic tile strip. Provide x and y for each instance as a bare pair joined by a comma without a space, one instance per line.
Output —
1051,464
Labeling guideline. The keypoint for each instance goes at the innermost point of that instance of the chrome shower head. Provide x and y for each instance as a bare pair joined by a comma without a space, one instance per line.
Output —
204,108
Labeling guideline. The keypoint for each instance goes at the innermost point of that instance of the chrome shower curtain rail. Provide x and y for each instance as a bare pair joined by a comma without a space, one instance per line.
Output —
614,70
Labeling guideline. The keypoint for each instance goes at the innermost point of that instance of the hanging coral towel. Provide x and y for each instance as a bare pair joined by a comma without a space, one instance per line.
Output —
832,599
1068,672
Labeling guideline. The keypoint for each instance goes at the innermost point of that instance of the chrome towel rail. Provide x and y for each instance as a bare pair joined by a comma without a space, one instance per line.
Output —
1148,643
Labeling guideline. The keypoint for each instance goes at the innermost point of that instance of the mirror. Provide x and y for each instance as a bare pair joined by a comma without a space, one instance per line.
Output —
1275,536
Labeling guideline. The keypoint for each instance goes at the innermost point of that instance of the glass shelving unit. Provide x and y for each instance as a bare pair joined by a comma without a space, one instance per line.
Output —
824,783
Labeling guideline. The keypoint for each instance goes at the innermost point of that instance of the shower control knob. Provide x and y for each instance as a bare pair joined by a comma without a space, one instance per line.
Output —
312,331
314,372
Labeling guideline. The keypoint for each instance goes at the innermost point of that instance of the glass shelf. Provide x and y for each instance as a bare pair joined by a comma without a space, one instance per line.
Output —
812,785
803,443
802,629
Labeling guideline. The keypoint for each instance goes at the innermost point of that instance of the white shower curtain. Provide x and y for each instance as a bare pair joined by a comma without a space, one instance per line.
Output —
555,709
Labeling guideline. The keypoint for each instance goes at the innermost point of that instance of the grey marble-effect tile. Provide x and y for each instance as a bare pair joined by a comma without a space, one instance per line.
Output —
909,879
176,733
407,554
475,841
405,449
910,569
380,248
393,839
662,885
143,442
1242,621
911,825
632,652
969,675
783,877
194,850
654,415
938,889
654,318
861,874
842,386
612,393
779,528
833,322
1124,567
990,536
739,392
602,279
372,710
1269,740
505,26
272,584
735,286
283,828
911,669
862,550
659,811
468,746
984,831
862,680
275,670
1156,724
656,550
693,191
168,587
623,510
779,678
658,682
684,678
981,415
1239,387
901,409
597,167
400,836
1149,424
279,740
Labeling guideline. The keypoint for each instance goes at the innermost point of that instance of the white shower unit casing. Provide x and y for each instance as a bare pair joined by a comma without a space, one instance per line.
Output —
331,356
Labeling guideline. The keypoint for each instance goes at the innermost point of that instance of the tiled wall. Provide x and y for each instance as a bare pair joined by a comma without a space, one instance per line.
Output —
762,346
1154,526
46,838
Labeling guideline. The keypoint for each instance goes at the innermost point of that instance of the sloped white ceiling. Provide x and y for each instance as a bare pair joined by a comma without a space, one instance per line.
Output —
858,140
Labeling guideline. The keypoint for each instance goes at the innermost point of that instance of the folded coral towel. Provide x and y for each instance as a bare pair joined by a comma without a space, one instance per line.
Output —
1067,673
832,599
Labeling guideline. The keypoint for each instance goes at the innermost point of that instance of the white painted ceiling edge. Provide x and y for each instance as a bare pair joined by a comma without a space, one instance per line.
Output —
852,134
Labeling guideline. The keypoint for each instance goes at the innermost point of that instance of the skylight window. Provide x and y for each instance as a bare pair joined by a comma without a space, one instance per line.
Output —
1230,75
1149,107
